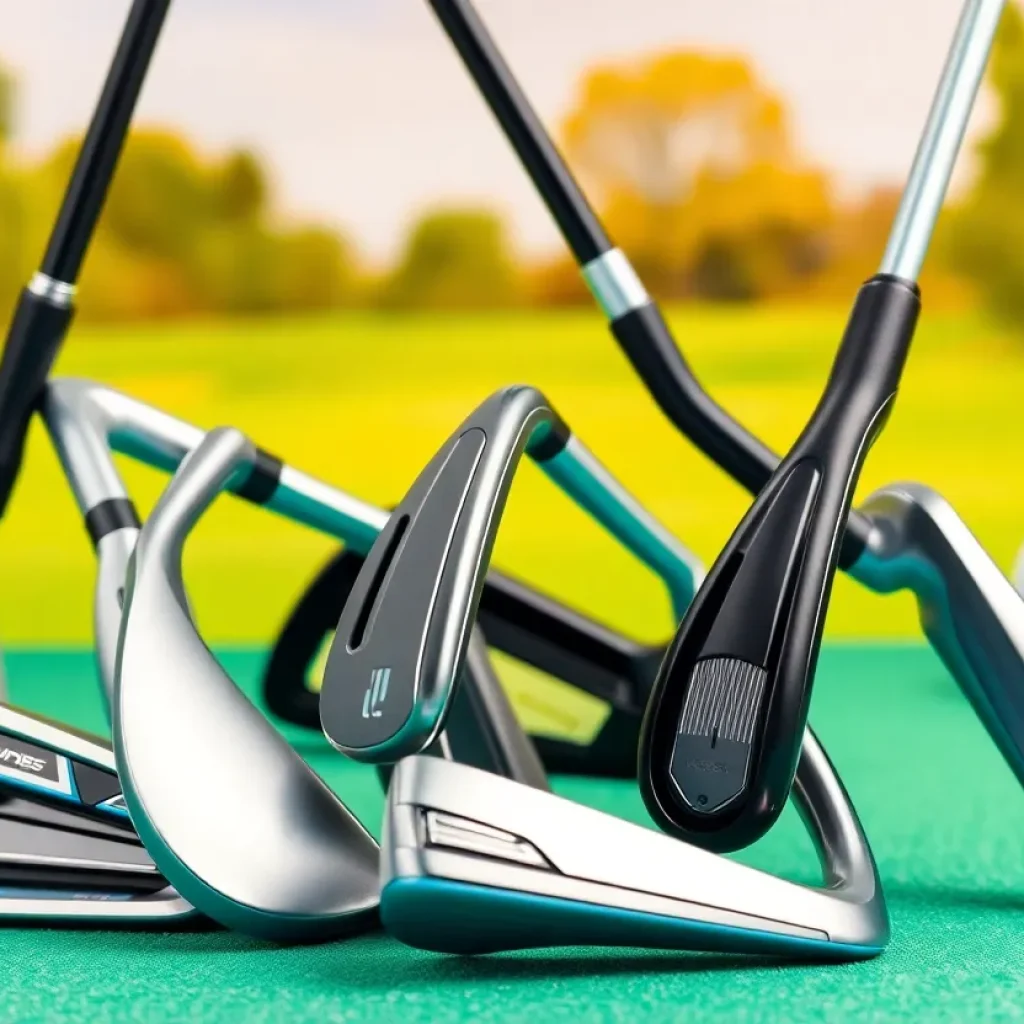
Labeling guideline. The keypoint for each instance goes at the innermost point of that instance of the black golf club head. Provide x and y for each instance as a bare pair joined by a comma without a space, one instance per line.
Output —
951,616
390,679
722,734
723,730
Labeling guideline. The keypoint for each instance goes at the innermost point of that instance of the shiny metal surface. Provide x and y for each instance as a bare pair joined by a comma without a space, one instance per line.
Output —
969,610
550,847
615,284
59,293
940,142
89,422
231,815
414,603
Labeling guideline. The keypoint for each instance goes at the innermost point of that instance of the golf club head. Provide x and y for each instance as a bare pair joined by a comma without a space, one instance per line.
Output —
237,821
969,610
87,422
721,736
68,851
519,621
401,640
634,318
472,863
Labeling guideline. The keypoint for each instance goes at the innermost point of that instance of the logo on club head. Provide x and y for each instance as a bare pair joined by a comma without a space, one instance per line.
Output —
22,760
376,692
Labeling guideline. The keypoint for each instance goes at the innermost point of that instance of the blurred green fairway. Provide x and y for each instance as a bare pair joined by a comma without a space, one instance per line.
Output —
363,400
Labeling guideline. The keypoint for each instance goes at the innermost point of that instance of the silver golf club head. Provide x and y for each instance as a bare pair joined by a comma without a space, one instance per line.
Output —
238,822
473,863
68,852
969,610
401,641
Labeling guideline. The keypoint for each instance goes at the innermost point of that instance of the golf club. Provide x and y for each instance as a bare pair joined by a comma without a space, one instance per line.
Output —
959,597
246,830
472,867
722,733
472,863
68,852
85,421
398,649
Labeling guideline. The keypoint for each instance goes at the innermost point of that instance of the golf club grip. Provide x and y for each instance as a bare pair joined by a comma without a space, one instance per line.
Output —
647,342
722,734
33,341
550,174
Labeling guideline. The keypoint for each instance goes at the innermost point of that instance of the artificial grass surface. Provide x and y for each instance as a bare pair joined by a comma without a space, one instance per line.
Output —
364,400
943,812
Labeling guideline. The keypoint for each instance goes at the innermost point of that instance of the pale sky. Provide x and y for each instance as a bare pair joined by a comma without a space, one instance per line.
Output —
365,116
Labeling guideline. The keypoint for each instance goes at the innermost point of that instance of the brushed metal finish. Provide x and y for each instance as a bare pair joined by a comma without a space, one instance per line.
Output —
231,815
968,609
585,856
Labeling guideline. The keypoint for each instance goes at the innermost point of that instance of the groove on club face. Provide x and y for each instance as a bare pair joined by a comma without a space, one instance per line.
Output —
760,613
261,844
418,620
473,864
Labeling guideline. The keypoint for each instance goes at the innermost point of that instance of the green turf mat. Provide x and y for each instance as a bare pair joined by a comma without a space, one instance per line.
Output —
944,814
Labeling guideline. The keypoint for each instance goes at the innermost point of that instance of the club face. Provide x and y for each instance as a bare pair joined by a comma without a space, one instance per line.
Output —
969,610
261,844
475,864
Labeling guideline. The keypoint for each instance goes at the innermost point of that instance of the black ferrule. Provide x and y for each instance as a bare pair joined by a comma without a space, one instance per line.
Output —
552,442
103,142
262,482
524,130
648,344
35,337
110,516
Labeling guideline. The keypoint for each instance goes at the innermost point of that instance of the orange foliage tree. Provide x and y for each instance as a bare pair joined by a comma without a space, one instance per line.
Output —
690,157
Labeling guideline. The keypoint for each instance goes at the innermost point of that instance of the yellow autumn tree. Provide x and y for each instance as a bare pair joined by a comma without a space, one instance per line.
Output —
690,158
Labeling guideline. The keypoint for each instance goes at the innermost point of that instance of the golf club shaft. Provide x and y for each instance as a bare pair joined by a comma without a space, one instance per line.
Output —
45,308
940,142
635,319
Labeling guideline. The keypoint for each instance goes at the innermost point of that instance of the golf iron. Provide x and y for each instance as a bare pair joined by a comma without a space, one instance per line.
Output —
473,865
903,537
722,733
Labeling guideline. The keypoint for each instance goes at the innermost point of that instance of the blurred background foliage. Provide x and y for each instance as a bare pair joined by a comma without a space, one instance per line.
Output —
200,296
689,157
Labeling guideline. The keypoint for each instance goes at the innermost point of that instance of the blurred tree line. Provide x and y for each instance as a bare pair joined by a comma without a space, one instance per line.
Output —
689,158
